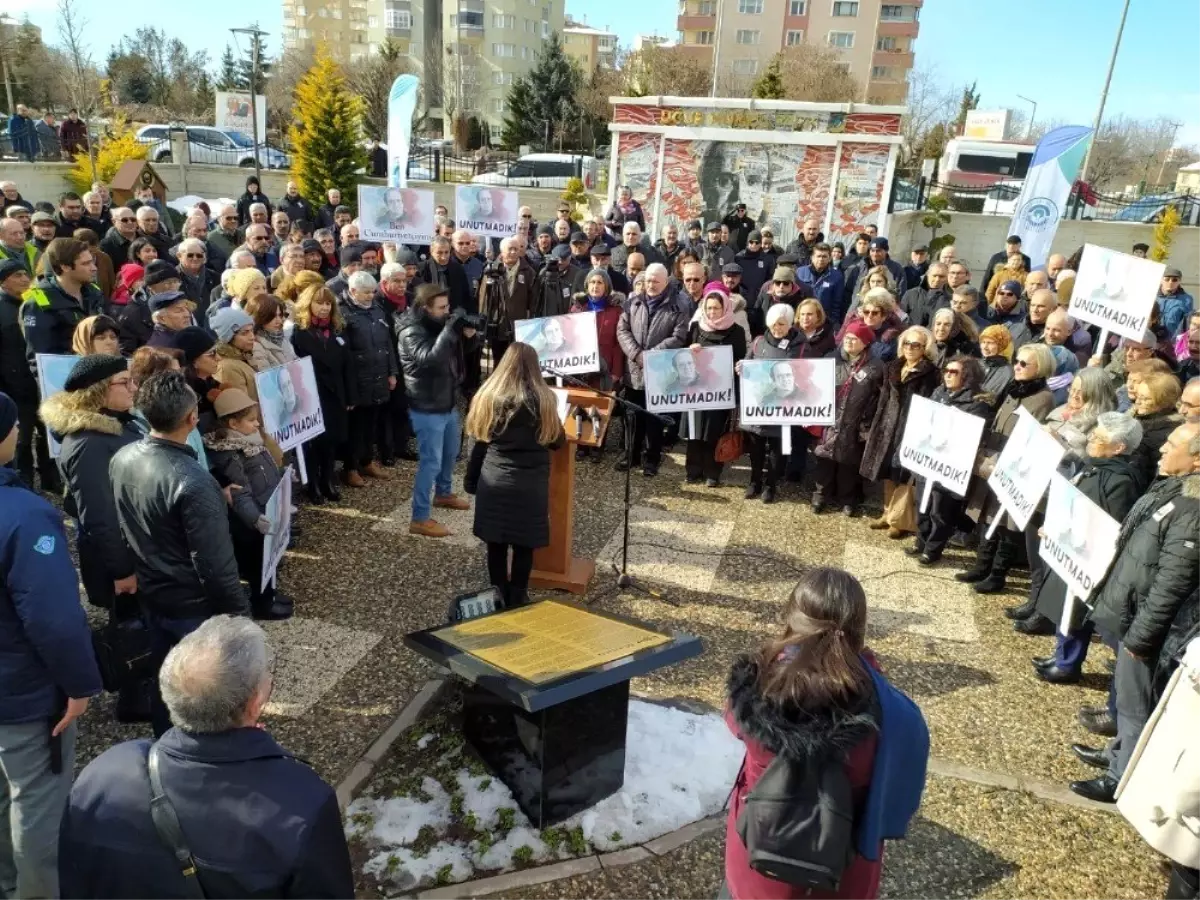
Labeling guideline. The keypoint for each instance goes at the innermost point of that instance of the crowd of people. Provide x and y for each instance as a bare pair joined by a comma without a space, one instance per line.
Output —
167,471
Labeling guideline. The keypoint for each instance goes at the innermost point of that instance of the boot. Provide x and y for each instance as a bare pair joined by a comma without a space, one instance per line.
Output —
984,557
889,488
429,528
315,497
276,612
353,479
1024,611
374,470
1006,556
329,487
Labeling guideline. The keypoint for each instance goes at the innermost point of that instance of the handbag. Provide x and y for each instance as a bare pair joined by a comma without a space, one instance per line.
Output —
730,446
124,652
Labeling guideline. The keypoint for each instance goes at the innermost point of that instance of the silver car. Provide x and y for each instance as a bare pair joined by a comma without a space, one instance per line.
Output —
212,146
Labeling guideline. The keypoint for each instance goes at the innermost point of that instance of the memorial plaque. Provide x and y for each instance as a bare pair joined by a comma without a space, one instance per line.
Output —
545,641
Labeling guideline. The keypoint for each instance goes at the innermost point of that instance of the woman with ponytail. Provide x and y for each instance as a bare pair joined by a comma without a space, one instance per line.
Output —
811,699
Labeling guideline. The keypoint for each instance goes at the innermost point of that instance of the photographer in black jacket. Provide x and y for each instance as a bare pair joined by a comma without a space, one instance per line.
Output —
433,342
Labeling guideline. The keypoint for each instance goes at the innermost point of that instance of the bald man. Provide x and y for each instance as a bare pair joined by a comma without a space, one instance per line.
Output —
1030,328
809,237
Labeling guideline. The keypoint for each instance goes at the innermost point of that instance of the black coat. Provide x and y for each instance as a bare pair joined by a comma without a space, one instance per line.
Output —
859,385
372,359
455,279
16,379
553,292
297,210
510,478
712,423
1156,567
1156,428
89,440
921,303
335,382
49,316
887,428
757,269
117,247
431,358
1112,484
135,323
256,474
766,346
246,201
259,822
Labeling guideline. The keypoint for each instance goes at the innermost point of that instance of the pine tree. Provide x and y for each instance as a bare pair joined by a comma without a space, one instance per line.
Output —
769,85
245,66
227,79
969,101
205,96
325,134
546,94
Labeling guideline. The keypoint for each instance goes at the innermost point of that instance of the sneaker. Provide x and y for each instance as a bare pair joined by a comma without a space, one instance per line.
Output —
451,501
768,496
429,528
712,483
753,491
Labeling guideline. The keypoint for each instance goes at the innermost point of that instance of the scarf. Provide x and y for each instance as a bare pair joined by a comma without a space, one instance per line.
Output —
1035,330
597,304
274,338
1023,389
724,321
228,439
399,303
629,208
320,326
654,303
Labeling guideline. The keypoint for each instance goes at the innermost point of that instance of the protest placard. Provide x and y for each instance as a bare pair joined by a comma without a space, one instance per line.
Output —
486,211
1023,470
275,541
689,380
1115,291
289,404
568,344
939,445
787,392
1079,540
400,215
52,372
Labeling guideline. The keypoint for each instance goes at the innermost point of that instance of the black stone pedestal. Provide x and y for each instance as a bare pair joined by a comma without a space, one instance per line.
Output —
558,761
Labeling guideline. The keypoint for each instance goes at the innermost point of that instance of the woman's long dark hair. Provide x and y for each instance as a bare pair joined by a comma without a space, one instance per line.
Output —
816,664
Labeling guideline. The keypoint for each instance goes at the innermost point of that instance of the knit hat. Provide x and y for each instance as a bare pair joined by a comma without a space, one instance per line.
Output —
159,302
862,331
1011,286
9,267
194,342
546,228
561,251
714,287
1000,336
599,273
579,237
780,312
405,257
93,369
784,273
227,322
158,271
754,237
8,415
131,274
241,281
230,401
879,243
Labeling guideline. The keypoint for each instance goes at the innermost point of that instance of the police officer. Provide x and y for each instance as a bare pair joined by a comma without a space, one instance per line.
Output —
57,303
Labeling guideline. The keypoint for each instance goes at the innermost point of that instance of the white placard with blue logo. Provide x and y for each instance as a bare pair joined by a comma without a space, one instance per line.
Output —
1116,291
1052,172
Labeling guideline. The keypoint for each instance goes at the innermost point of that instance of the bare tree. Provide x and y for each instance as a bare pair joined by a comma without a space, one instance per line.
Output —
930,103
456,78
286,73
667,71
371,78
81,78
816,73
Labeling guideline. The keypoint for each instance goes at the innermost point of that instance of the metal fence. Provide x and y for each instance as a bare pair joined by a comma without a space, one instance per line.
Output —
1083,203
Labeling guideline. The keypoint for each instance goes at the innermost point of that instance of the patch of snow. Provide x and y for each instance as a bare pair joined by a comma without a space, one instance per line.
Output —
679,767
425,740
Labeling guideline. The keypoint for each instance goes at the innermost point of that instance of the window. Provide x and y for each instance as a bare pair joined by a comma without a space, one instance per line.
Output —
746,36
322,12
502,78
892,12
797,7
745,66
750,7
545,30
469,20
499,20
524,53
372,21
885,43
336,12
845,7
302,33
504,51
706,8
704,37
301,11
530,26
880,72
497,104
843,40
794,38
397,19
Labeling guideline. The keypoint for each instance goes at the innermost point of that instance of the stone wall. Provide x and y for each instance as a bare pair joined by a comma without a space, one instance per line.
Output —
45,181
977,237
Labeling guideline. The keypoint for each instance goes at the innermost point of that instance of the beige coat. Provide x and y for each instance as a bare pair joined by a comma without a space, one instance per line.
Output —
266,355
1160,791
234,372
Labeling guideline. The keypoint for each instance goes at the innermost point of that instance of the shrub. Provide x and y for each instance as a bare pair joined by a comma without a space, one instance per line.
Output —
114,150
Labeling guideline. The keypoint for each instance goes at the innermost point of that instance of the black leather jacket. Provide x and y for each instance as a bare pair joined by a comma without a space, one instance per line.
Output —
174,518
431,359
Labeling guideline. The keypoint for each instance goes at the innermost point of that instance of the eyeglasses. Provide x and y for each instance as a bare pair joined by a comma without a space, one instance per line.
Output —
1006,293
693,280
1170,278
193,256
954,372
914,344
526,215
130,219
872,312
782,283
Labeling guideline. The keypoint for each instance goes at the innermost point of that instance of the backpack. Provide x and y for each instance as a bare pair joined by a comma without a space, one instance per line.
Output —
798,823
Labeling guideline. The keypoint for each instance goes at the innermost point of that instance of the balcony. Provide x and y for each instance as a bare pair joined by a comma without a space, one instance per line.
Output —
898,29
697,51
697,23
893,59
887,93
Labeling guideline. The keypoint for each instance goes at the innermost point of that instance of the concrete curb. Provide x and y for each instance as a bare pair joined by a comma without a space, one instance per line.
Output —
1043,790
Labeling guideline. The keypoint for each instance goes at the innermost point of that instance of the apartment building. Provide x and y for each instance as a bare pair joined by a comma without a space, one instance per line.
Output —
875,39
480,47
590,47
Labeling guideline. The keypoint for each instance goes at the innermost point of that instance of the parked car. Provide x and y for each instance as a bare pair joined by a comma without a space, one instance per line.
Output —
215,146
1151,209
547,170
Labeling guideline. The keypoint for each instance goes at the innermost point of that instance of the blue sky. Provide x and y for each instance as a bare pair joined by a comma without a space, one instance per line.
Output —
1053,51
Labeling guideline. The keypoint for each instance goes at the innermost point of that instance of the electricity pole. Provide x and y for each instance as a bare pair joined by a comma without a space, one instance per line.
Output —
1170,146
716,48
4,20
1112,63
255,36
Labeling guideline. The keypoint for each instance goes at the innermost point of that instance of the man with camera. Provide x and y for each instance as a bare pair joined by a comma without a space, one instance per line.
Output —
433,342
506,295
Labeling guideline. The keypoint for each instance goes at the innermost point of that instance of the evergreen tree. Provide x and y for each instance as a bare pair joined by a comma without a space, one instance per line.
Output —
546,94
245,66
325,133
227,78
769,85
205,96
969,101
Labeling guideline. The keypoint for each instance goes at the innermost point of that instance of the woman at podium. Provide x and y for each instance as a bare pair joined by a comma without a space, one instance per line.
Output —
514,421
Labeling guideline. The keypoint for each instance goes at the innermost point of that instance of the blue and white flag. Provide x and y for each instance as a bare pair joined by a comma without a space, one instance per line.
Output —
1053,170
402,104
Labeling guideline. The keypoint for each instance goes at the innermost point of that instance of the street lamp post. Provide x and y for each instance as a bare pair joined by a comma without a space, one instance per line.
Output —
1032,115
1112,63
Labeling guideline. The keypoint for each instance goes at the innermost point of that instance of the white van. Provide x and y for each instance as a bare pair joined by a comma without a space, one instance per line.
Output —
544,170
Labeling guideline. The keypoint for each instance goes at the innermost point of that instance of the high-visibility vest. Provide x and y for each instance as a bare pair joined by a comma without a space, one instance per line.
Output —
30,255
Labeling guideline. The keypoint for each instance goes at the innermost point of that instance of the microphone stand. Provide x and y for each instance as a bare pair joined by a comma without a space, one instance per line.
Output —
629,412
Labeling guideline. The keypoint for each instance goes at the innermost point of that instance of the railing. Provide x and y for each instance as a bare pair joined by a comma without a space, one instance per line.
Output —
1001,200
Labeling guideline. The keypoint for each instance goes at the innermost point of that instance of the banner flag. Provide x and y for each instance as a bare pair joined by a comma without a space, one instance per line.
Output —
402,103
1052,172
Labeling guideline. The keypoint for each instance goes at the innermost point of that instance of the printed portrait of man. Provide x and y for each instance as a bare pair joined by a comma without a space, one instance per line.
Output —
732,173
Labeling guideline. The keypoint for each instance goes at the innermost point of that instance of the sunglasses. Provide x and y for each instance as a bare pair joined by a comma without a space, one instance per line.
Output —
193,256
127,220
917,344
1006,293
872,312
1021,364
782,283
526,215
955,372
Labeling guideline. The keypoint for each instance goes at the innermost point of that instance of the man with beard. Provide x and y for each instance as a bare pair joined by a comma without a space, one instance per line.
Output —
668,246
69,215
802,246
920,303
539,252
717,254
695,237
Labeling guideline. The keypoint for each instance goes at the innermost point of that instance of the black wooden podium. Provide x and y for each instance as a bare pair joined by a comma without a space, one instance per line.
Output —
555,735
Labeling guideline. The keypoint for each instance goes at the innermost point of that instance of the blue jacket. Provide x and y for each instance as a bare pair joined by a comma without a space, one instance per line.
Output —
828,288
259,822
898,777
1174,310
45,644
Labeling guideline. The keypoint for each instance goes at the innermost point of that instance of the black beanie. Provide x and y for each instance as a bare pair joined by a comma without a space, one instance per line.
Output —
8,415
194,341
94,369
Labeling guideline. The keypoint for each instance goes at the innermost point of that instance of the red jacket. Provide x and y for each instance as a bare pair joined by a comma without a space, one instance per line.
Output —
606,327
861,877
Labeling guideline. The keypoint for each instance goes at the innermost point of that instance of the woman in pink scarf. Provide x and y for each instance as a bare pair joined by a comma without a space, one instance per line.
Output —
698,375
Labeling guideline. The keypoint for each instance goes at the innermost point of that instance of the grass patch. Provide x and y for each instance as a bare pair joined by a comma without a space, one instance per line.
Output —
576,842
523,856
506,818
